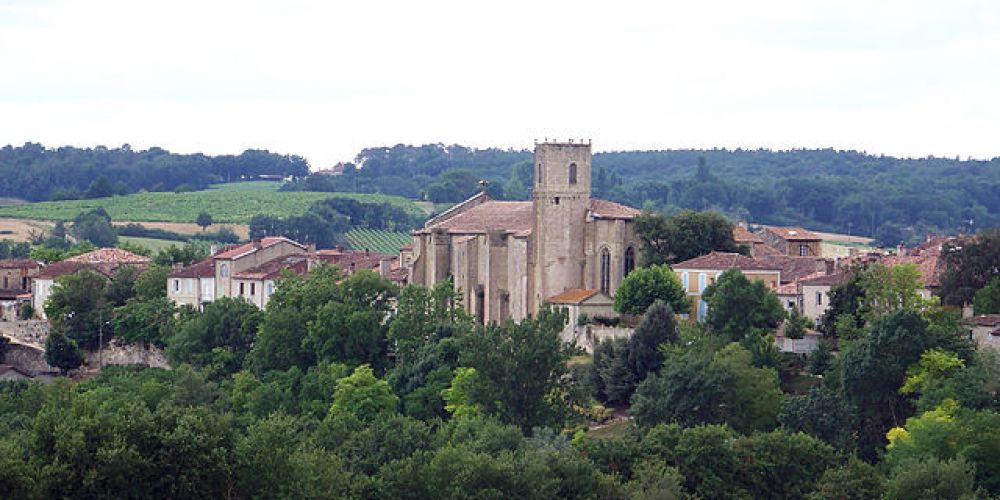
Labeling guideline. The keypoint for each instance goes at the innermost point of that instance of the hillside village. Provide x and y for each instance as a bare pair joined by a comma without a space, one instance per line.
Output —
617,332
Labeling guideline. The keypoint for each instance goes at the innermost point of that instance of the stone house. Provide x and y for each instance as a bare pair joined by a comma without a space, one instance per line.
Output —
793,241
698,273
106,261
815,293
508,258
251,271
986,331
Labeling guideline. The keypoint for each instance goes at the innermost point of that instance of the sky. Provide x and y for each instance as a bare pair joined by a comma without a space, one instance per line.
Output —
324,79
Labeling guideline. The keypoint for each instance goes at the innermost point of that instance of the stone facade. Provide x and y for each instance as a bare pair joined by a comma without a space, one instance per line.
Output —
508,258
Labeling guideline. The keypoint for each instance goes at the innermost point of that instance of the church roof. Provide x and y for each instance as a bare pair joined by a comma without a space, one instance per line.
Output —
510,216
604,209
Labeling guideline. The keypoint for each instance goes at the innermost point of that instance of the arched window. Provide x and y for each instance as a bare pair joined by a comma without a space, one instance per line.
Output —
605,271
629,260
572,173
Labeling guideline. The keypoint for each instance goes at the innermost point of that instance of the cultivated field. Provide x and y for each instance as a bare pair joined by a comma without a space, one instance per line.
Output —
190,228
20,230
386,242
233,203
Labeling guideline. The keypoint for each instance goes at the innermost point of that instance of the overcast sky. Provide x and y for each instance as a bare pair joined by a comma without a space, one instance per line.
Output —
325,79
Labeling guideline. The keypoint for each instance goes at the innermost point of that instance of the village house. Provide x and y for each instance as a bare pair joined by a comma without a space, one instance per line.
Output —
698,273
508,258
814,293
986,331
106,261
251,271
792,241
16,276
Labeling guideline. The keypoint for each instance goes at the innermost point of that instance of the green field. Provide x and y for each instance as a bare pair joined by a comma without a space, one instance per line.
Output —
232,203
386,242
150,243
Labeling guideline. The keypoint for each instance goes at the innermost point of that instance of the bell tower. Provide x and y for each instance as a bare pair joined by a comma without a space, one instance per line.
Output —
561,200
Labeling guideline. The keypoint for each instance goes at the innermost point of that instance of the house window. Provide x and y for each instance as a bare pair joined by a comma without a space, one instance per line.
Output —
605,271
572,173
224,270
253,289
702,310
241,288
24,283
177,285
685,280
190,286
629,261
803,250
819,298
270,288
5,282
702,282
555,200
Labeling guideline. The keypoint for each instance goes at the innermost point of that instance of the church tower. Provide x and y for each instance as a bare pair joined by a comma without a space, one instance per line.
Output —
561,201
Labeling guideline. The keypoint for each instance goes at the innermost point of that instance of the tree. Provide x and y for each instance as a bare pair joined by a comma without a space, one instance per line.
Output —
783,464
970,264
738,306
204,220
363,395
987,299
657,327
520,369
218,338
79,307
148,321
797,324
821,413
932,478
151,283
611,368
95,227
61,351
889,289
684,236
100,188
855,480
646,285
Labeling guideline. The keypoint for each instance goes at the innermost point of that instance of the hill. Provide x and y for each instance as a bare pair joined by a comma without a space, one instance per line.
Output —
228,203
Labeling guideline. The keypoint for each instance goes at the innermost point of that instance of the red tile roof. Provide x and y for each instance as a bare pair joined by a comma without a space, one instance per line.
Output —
725,260
110,256
352,260
766,251
928,264
204,268
509,216
603,209
794,268
19,264
297,264
985,320
249,248
572,296
741,235
826,280
793,233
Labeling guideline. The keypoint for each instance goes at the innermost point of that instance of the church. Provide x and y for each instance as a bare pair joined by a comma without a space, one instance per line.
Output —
508,258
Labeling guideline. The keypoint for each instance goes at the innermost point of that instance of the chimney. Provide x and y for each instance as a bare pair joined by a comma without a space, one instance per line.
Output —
213,249
311,248
256,244
385,268
339,248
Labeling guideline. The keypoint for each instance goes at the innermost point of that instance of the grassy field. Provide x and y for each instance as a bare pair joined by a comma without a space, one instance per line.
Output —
386,242
232,203
150,243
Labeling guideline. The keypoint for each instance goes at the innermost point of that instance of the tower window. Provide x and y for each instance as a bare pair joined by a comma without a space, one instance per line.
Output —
572,173
538,180
555,200
605,271
629,261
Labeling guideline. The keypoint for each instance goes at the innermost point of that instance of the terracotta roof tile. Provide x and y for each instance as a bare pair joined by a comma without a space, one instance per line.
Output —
766,251
204,268
510,216
826,280
794,268
741,235
793,233
109,256
927,263
248,248
603,209
19,264
985,320
572,296
725,260
298,264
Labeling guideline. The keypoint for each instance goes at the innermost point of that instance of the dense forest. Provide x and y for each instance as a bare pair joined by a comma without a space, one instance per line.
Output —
36,173
890,199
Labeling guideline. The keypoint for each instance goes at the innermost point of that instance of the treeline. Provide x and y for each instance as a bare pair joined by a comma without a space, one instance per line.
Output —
36,173
890,199
326,221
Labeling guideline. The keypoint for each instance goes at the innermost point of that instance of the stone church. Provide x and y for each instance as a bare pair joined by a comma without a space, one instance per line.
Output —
509,257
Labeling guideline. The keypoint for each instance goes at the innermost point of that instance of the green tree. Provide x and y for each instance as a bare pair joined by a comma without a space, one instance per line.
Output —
218,338
646,285
520,369
363,396
710,465
932,478
612,368
821,413
95,227
100,188
987,299
797,324
889,289
855,480
148,321
121,287
655,480
738,306
970,264
61,351
78,306
684,236
784,465
152,283
204,220
657,327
